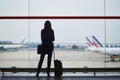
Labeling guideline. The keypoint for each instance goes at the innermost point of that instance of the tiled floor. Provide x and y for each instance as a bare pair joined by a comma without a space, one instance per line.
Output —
62,78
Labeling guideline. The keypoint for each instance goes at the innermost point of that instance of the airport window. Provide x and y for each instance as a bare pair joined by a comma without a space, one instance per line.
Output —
91,40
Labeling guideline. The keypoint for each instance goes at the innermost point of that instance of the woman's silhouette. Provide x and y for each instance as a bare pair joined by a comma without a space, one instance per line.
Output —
47,38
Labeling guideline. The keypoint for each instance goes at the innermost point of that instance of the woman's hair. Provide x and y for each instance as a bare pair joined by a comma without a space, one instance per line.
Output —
47,25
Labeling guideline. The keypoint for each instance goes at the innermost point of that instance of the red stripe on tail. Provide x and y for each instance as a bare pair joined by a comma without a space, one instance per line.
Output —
95,44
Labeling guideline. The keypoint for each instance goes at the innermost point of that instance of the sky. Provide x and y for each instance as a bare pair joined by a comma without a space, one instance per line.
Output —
66,31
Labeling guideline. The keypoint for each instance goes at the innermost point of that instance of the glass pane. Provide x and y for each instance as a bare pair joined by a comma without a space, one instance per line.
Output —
67,8
70,35
113,43
14,35
13,7
112,7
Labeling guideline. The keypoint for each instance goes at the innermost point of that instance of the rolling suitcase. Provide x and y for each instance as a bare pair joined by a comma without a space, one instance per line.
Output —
58,71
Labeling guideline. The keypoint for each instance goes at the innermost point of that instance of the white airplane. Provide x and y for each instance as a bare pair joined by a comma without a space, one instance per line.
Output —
95,45
12,46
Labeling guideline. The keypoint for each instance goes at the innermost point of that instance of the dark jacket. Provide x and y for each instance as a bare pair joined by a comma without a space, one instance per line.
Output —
47,38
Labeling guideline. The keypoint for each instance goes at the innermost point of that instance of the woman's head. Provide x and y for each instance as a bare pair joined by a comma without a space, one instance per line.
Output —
47,25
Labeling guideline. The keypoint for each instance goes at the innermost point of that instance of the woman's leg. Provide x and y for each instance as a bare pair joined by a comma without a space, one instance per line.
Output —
49,63
40,63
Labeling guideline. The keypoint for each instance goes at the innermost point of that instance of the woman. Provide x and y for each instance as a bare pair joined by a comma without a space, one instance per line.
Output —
47,38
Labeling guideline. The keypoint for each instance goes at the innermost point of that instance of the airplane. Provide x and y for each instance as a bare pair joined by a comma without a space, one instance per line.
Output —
98,47
12,46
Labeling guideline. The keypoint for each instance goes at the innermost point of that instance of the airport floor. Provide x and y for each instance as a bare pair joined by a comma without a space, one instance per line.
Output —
65,76
61,78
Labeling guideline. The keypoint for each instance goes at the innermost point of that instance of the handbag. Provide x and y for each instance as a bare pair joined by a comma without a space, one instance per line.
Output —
44,48
39,49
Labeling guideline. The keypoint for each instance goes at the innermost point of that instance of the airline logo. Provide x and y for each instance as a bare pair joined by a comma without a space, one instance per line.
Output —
89,43
96,42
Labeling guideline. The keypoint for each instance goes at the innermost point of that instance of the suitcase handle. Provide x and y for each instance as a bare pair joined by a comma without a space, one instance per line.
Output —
54,53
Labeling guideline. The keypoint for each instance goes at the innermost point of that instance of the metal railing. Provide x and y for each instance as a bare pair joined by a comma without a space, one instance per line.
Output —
94,70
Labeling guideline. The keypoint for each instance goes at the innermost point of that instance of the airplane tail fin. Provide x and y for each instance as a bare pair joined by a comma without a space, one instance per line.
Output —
22,41
96,42
89,43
